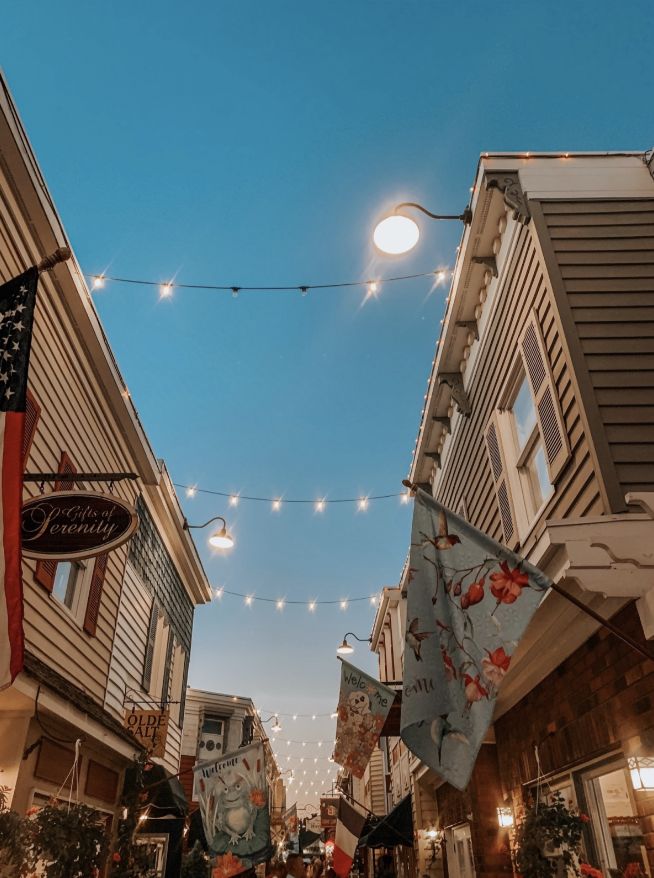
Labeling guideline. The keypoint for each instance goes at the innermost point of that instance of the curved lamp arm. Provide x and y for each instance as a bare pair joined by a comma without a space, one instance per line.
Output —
360,639
465,217
188,526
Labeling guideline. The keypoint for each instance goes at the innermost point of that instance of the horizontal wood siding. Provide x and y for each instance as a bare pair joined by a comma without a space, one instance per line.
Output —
605,251
73,418
466,472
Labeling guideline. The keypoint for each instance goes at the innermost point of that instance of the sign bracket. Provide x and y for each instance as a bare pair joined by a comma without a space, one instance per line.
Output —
79,477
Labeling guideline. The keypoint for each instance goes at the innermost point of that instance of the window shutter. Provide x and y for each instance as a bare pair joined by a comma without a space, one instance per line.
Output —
32,413
550,420
46,570
502,490
149,648
95,594
167,667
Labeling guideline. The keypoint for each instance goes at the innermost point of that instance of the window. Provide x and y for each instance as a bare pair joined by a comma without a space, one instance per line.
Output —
71,585
529,454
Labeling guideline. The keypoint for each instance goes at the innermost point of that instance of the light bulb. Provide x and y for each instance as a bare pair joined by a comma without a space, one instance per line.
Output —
314,716
373,600
233,500
248,600
343,605
219,592
221,539
294,717
280,604
165,291
396,234
191,491
98,282
363,504
276,505
320,505
404,498
312,606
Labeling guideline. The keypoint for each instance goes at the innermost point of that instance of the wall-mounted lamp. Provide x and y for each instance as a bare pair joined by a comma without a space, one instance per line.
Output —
398,233
219,539
505,817
346,648
641,769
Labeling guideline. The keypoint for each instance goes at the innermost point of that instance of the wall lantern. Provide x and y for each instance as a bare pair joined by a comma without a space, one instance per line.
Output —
505,817
641,769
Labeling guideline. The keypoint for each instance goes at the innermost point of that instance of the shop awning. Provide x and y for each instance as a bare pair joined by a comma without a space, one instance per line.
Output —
393,830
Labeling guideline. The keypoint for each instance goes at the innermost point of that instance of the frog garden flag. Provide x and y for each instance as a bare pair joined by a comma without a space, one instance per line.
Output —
363,706
233,799
469,600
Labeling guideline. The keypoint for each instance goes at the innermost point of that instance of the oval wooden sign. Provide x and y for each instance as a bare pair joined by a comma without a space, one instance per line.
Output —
70,525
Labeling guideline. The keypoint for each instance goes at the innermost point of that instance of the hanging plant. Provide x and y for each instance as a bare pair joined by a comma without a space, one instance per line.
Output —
69,839
549,834
13,844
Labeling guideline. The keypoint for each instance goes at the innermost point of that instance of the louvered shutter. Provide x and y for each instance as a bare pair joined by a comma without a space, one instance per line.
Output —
46,570
168,667
32,412
95,594
502,489
149,648
550,420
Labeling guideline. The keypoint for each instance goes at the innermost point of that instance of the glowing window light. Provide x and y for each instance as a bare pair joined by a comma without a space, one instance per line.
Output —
641,769
505,816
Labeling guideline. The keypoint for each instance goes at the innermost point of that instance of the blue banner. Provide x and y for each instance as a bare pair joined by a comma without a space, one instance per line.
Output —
469,600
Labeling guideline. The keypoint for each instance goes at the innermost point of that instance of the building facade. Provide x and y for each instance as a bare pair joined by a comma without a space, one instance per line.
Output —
538,428
113,633
215,724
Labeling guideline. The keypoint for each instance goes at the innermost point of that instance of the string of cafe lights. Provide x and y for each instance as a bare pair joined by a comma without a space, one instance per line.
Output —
281,603
276,503
168,287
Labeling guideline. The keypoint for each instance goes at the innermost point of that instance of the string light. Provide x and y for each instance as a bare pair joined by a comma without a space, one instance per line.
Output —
280,604
311,605
219,592
165,291
372,286
276,502
191,491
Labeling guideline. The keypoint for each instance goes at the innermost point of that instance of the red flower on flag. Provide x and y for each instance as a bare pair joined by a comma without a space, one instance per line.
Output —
495,665
258,798
450,670
473,689
507,586
474,595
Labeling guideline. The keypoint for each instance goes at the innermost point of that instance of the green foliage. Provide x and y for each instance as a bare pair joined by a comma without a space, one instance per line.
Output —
130,859
548,827
13,844
195,863
70,838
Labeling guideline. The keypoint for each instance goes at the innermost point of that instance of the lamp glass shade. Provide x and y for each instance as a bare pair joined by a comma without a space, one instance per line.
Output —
345,648
505,816
396,234
641,769
220,539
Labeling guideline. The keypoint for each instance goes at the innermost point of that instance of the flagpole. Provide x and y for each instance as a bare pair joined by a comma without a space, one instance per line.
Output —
61,254
605,623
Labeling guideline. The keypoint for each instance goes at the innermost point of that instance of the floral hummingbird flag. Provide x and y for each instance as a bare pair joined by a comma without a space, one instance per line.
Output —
363,705
469,600
233,797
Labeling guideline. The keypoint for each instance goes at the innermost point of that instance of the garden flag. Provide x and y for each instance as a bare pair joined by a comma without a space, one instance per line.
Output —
17,300
363,705
349,825
233,798
469,600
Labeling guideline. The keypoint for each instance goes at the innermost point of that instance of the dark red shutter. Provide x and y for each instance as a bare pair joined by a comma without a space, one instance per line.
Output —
46,570
95,594
32,412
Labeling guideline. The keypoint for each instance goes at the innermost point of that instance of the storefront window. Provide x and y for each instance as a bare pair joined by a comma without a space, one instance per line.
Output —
615,823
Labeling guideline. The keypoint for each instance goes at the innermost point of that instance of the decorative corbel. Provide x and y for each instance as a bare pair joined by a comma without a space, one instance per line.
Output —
454,381
435,456
470,326
443,420
488,261
508,182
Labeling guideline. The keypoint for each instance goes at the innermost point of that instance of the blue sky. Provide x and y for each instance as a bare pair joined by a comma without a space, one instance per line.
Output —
254,143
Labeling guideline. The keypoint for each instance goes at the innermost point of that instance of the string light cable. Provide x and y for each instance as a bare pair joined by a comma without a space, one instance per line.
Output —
281,603
276,503
166,288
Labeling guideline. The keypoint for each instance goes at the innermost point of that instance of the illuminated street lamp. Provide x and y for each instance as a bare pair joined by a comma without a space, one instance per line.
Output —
220,538
398,233
346,648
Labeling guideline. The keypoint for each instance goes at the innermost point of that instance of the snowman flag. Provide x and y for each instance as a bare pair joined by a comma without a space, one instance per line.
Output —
469,600
232,795
363,705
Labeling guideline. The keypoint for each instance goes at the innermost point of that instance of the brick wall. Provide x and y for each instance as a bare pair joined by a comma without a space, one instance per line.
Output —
600,700
482,797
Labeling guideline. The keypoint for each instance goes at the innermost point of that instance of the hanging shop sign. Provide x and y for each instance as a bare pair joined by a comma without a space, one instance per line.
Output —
150,728
328,811
72,525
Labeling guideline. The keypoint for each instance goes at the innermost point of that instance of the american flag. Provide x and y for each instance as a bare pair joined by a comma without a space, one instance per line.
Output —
17,300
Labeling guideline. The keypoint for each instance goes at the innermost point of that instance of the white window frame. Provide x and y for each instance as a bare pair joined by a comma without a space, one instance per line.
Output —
526,511
77,610
159,657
